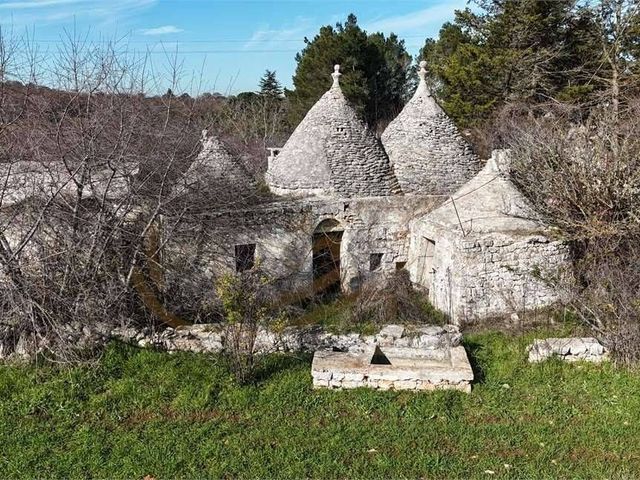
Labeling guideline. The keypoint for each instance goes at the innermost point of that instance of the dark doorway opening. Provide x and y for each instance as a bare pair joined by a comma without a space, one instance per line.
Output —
245,257
327,239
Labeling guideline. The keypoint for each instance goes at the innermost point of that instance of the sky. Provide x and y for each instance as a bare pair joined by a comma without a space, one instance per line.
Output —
225,45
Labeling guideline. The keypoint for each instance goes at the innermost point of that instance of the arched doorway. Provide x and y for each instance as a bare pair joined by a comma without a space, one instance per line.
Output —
327,238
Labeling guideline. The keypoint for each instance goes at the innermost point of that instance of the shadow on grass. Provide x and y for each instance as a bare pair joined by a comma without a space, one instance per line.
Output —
473,348
277,363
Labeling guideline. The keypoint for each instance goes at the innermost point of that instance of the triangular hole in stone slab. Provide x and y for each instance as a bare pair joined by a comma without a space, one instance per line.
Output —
379,358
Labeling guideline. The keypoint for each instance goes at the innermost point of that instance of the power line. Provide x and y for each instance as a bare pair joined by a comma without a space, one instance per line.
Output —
212,40
172,51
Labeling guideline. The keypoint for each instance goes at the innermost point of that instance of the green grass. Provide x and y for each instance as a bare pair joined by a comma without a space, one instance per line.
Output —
147,413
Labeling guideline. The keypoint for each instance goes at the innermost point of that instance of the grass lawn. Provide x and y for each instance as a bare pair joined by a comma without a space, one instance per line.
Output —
147,413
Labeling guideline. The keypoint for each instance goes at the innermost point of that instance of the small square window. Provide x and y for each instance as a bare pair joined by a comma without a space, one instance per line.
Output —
375,261
245,257
401,265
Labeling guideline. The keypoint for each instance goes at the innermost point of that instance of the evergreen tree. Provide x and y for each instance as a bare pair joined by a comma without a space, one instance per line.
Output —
375,71
512,50
270,86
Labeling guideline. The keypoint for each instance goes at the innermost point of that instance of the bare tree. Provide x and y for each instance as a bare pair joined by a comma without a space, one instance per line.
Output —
87,170
585,178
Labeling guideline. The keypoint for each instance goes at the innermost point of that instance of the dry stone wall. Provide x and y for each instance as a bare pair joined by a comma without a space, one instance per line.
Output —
211,338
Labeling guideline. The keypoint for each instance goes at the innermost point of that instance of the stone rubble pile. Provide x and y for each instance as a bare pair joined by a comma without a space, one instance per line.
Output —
571,349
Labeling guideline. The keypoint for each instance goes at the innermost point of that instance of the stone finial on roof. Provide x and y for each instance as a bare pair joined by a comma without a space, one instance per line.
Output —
336,76
422,73
332,153
423,89
428,153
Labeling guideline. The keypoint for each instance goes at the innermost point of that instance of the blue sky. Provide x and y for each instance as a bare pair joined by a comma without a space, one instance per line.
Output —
228,43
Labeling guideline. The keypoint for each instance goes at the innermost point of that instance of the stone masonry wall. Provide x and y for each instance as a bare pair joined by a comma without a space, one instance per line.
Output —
282,233
505,274
489,275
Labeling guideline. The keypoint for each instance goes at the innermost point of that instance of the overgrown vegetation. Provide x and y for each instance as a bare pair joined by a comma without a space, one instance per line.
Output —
534,52
380,301
141,412
392,300
249,305
584,177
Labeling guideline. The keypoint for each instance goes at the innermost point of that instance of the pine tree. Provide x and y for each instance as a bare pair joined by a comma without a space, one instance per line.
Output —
374,67
527,51
270,86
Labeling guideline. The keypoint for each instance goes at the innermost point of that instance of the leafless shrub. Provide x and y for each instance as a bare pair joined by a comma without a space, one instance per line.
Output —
391,300
87,194
585,177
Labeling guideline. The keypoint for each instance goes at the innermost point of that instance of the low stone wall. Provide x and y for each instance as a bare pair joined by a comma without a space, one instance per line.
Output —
211,338
570,349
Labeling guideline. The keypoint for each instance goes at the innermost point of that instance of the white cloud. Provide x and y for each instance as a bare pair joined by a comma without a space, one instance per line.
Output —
273,39
426,19
52,11
164,30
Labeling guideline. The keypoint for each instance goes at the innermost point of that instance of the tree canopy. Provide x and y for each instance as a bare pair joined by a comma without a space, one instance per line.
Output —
375,71
532,51
270,86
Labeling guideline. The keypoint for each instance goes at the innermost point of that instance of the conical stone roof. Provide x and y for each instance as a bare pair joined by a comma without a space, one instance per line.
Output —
217,175
332,153
488,203
428,153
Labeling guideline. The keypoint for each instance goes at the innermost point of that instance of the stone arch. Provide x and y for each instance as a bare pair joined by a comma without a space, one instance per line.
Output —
327,242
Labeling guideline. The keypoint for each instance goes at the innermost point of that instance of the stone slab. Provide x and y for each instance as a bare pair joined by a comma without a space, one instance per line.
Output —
409,369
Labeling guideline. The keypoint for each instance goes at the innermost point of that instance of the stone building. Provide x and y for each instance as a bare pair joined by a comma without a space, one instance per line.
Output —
485,251
215,172
344,207
339,215
348,208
